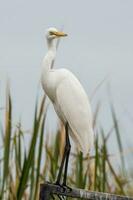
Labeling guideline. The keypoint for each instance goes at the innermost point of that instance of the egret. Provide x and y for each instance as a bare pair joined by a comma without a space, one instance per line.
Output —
70,102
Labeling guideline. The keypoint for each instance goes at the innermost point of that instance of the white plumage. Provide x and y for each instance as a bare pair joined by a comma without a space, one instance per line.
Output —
68,96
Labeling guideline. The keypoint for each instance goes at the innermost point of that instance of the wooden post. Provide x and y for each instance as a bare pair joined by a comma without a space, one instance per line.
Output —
47,189
44,192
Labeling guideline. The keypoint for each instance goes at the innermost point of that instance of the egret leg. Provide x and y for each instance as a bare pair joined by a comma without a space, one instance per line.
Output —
67,157
58,182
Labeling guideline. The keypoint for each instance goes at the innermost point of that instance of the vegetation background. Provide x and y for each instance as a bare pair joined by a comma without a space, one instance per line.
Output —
22,169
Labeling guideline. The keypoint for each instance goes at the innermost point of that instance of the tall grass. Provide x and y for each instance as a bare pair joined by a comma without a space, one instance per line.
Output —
22,170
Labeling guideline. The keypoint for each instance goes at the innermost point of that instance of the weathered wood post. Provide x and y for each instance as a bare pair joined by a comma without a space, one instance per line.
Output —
48,189
44,192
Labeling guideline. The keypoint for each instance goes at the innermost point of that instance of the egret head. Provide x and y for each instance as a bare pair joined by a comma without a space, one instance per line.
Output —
53,33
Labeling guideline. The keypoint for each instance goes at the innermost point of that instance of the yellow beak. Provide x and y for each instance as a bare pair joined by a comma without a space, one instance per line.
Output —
59,33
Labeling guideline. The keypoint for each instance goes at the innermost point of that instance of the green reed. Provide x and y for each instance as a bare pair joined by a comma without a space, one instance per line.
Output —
22,170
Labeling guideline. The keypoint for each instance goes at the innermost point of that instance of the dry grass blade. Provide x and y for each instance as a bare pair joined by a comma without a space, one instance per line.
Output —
117,131
7,140
116,177
39,156
96,163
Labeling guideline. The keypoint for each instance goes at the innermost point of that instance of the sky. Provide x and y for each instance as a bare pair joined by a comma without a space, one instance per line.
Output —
99,46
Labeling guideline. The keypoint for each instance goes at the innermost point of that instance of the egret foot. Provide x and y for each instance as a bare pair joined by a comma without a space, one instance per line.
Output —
63,187
61,190
67,188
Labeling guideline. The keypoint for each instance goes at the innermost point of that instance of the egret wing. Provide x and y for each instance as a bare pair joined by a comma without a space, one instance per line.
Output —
73,104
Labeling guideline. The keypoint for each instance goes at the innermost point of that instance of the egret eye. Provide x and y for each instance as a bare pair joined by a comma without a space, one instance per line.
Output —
51,33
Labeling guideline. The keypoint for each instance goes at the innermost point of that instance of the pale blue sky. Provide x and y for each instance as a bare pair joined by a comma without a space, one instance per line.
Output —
100,44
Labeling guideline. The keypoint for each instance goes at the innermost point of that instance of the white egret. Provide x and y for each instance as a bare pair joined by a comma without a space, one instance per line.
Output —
70,101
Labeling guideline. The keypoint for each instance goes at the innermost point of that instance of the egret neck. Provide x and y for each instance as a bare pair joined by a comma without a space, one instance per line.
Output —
47,65
50,56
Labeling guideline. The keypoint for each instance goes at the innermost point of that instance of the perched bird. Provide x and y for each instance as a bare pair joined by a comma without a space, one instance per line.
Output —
70,102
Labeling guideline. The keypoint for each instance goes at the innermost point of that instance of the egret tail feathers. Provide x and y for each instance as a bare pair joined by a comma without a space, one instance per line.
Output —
83,144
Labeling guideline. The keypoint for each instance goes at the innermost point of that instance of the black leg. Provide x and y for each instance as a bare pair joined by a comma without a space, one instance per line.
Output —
61,169
67,156
63,159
